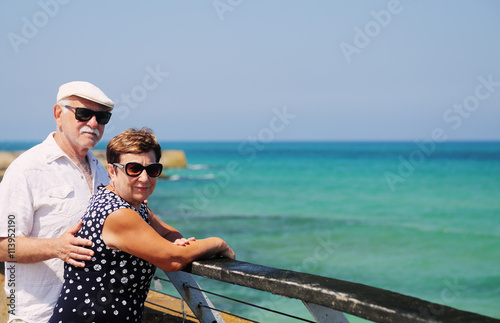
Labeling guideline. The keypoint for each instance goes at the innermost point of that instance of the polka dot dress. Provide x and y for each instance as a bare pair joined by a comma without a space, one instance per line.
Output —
113,286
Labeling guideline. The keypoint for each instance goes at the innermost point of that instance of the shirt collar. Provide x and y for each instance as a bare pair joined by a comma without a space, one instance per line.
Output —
55,152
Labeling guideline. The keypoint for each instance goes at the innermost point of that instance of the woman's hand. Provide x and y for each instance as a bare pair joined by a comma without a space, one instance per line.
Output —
227,252
183,241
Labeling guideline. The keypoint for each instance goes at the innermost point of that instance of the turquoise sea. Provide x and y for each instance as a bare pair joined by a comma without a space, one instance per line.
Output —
421,219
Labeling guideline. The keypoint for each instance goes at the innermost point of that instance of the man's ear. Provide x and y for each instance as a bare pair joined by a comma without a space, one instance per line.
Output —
57,114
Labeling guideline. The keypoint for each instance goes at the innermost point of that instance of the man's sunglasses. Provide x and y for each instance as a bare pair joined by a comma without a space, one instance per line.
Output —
84,114
135,169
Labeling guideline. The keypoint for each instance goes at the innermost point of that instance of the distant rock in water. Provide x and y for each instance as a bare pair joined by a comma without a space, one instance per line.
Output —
7,157
169,159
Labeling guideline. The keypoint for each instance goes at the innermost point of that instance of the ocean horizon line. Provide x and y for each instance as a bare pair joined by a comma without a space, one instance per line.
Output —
13,146
288,141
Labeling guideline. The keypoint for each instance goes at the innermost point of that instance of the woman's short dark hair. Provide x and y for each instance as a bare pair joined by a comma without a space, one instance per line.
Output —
132,141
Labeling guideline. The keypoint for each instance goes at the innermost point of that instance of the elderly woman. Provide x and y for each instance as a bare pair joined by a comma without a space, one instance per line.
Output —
128,240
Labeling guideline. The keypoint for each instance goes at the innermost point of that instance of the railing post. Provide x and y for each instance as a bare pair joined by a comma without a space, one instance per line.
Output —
197,301
324,314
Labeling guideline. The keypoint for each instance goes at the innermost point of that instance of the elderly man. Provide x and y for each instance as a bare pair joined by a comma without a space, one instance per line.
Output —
43,194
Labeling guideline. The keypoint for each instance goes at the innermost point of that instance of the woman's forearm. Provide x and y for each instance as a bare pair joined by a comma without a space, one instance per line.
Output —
180,256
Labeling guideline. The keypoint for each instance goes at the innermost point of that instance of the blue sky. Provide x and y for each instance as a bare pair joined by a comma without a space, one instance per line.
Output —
269,70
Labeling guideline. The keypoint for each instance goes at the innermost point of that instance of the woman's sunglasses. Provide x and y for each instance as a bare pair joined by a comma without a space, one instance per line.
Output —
135,169
84,114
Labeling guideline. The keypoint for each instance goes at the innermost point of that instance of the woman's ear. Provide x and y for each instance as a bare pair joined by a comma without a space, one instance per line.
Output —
111,170
111,174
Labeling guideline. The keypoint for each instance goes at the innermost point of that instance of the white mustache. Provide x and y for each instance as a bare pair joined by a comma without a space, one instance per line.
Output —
91,130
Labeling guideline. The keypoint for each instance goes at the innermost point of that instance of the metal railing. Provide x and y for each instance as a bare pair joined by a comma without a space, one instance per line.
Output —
326,298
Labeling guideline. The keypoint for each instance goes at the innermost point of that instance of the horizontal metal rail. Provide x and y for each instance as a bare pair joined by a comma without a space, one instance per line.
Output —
360,300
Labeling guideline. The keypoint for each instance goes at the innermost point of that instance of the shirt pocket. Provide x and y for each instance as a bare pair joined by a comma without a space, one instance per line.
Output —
60,192
61,200
56,210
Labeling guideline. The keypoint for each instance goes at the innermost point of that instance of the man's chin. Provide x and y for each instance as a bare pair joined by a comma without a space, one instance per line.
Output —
89,140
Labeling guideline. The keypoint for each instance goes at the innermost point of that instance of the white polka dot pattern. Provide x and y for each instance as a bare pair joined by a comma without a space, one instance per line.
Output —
113,285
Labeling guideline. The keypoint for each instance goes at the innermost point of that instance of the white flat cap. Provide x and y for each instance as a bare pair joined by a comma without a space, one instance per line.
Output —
84,90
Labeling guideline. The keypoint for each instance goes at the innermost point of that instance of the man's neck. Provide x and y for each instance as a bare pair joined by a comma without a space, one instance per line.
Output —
77,154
